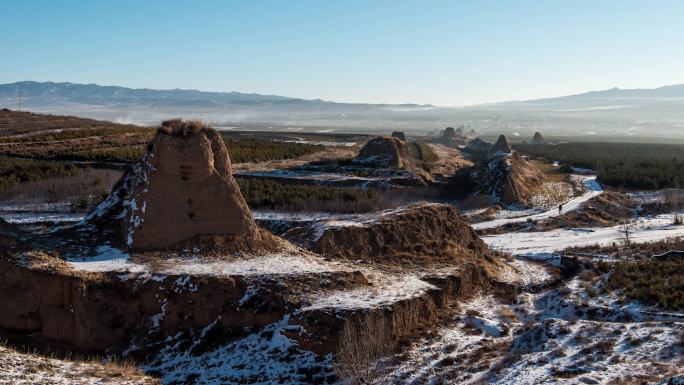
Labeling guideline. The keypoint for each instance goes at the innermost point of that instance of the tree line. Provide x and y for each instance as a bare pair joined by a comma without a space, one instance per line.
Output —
630,165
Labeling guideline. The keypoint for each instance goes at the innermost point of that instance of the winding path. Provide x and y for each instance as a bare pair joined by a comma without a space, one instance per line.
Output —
547,242
593,189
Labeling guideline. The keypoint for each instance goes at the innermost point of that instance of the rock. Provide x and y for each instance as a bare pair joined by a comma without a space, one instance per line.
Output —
501,145
182,189
399,135
388,152
537,138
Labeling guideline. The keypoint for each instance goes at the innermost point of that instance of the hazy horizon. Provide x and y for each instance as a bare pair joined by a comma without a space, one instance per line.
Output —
432,52
336,101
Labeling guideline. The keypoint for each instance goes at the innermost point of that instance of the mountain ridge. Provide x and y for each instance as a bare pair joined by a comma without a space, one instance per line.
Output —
655,112
96,92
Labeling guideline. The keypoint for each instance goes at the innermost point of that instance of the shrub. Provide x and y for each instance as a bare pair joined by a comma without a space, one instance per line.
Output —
363,350
264,193
659,283
15,171
258,150
635,165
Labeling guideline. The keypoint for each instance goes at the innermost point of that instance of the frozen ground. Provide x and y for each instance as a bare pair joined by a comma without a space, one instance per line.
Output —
321,177
530,243
513,216
108,258
323,143
543,338
265,357
22,368
387,290
548,338
324,216
29,213
526,273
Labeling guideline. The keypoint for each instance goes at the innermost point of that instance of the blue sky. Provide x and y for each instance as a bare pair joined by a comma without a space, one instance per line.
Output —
423,51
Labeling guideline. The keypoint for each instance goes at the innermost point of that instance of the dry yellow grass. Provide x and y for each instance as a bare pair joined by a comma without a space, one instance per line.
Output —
27,367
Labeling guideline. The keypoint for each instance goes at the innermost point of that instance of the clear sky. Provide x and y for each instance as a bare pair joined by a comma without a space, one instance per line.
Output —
422,51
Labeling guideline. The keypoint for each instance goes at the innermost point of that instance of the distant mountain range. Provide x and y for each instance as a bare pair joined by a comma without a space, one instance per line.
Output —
49,92
673,91
655,112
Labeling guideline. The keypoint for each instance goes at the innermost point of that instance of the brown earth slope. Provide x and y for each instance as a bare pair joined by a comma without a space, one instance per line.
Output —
426,233
20,122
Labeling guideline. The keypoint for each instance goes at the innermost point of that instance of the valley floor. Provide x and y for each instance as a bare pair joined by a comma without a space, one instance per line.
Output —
555,335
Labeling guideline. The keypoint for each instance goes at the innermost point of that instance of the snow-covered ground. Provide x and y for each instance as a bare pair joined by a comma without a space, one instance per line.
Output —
323,143
525,273
529,243
449,354
23,368
37,212
320,177
388,291
261,358
542,339
514,216
325,216
272,264
108,259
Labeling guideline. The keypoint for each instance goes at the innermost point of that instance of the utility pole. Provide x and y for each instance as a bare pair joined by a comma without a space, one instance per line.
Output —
19,99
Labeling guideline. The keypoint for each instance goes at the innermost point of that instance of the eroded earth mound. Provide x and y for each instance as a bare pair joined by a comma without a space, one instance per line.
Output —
451,136
181,191
537,138
501,145
388,152
478,149
449,133
427,233
509,179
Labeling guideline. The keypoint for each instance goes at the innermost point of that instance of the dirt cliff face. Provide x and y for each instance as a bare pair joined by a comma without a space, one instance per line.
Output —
386,152
181,190
110,311
430,233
